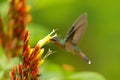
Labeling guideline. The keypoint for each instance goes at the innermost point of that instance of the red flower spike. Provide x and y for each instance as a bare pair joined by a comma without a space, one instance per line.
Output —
19,68
16,39
18,18
13,74
31,60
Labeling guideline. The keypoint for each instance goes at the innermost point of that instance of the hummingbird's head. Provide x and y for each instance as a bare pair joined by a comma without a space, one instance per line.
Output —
58,41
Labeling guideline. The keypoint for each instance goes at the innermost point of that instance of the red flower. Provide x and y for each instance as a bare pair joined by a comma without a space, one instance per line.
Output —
31,60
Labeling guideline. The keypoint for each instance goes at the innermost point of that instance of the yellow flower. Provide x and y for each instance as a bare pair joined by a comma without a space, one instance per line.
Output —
46,39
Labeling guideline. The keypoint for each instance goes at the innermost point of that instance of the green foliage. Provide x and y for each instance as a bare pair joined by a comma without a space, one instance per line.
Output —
100,42
2,63
5,66
51,71
87,76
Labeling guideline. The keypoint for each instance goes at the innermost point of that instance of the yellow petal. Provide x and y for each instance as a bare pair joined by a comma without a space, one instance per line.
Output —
31,50
41,52
46,39
41,62
28,7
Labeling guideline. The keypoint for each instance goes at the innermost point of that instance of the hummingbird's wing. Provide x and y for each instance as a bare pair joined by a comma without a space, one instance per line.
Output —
77,29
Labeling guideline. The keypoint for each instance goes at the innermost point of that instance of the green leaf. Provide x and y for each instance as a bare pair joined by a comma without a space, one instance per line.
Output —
2,62
87,76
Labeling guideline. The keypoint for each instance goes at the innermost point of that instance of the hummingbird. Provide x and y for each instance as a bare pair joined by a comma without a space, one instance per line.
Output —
70,42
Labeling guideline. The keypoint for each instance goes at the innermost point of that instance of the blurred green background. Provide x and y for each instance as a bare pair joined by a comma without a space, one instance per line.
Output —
100,42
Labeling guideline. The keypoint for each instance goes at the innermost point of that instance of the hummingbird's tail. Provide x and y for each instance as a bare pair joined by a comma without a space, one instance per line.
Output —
84,57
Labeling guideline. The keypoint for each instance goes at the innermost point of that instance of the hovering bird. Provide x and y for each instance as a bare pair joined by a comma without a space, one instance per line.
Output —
70,42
